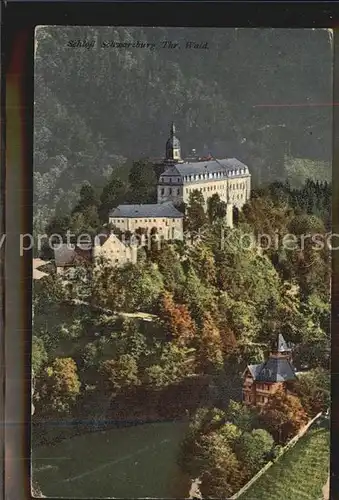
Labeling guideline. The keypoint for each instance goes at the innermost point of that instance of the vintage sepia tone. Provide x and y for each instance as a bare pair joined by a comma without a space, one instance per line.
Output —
181,270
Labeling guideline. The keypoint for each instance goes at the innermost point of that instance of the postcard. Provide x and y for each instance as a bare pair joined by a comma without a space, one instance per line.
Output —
181,262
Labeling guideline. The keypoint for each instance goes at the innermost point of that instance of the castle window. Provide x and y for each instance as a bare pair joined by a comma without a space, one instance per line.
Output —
173,220
154,220
178,191
178,179
162,191
170,180
170,191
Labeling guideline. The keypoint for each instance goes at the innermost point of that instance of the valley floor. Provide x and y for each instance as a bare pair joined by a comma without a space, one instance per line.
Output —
125,463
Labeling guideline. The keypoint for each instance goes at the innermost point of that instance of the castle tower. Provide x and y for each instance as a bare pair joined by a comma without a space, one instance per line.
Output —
173,148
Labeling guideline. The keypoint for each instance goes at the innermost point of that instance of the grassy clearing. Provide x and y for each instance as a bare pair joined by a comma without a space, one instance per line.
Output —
131,462
300,474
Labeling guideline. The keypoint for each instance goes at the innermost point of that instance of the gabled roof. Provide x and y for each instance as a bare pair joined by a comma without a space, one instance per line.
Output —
255,369
37,275
148,211
102,239
210,166
65,255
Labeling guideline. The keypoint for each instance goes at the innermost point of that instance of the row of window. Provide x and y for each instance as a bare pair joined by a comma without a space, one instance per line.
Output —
238,197
247,397
139,221
238,185
207,188
205,176
263,387
170,191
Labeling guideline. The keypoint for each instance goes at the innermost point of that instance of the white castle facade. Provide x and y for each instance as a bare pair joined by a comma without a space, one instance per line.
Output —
229,178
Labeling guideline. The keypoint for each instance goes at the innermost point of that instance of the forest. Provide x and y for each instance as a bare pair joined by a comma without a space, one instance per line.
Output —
170,337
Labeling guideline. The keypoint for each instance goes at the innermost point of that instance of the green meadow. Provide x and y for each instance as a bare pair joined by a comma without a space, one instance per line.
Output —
300,474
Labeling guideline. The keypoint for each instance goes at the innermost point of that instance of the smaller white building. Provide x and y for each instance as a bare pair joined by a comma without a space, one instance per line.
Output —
161,218
111,249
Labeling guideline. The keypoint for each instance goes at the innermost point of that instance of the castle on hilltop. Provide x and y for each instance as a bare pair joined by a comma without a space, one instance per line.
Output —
229,178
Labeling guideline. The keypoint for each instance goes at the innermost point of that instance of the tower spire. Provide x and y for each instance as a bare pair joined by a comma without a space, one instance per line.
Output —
172,131
173,148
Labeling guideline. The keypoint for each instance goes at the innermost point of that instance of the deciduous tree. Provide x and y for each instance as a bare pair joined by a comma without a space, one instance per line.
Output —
252,449
283,415
196,216
177,320
120,374
59,386
313,390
